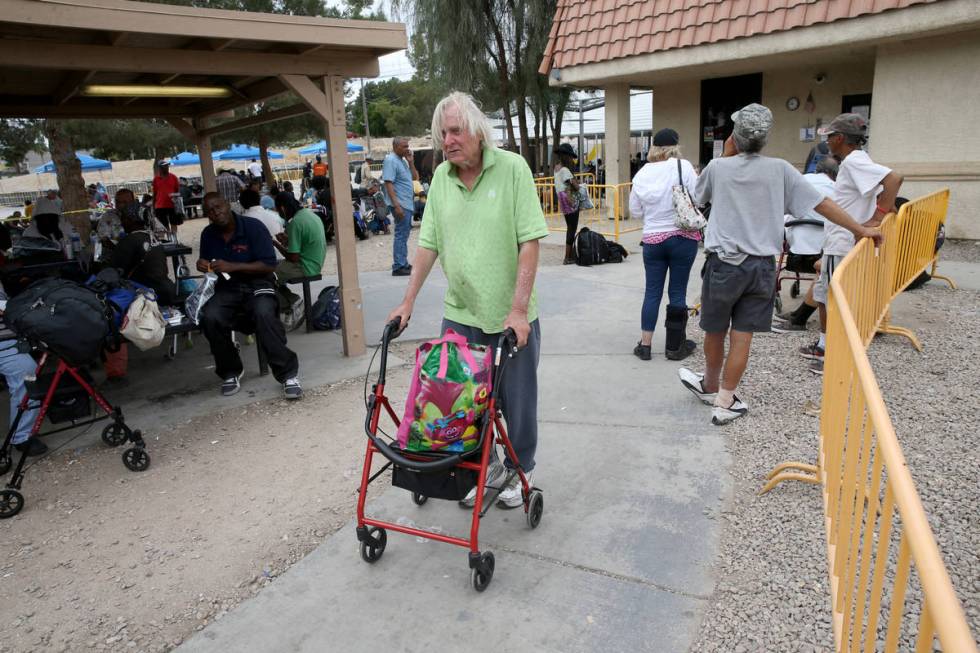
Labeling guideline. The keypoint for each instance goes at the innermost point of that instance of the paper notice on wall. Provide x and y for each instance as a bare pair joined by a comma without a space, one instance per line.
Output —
717,149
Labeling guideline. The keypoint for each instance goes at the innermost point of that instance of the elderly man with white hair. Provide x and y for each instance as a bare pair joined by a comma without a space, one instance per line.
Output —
749,195
482,222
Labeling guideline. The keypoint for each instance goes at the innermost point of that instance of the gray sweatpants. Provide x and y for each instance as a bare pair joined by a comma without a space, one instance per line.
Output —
518,393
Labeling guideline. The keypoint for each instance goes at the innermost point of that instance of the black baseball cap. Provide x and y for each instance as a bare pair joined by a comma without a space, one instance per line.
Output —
666,137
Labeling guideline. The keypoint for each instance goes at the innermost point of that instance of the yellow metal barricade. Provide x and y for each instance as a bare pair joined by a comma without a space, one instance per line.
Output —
876,527
608,216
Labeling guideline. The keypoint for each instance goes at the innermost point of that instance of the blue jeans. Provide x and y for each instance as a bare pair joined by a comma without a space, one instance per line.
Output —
403,228
676,254
15,367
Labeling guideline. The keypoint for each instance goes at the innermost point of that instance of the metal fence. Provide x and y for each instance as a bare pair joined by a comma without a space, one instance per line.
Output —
889,586
610,213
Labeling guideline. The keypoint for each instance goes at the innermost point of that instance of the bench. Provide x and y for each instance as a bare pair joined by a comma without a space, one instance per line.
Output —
307,300
186,326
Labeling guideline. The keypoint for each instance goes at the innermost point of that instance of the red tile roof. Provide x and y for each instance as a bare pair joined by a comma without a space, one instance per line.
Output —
590,31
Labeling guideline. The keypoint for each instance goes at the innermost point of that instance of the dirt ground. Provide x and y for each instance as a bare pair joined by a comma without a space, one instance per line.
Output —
103,559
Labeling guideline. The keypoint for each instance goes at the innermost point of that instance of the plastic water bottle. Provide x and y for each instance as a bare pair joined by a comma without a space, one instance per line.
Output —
96,247
76,242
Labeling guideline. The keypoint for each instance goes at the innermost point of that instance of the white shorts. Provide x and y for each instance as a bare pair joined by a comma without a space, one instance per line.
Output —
828,263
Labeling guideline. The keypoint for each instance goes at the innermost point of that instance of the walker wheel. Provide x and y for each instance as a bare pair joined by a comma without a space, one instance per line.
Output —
794,290
11,502
136,459
115,434
373,546
535,507
4,462
779,304
482,573
419,499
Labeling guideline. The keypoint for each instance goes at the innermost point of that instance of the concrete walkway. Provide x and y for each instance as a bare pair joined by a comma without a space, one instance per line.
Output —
633,477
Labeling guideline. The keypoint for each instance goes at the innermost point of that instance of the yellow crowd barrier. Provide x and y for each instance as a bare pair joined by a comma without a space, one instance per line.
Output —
877,532
610,213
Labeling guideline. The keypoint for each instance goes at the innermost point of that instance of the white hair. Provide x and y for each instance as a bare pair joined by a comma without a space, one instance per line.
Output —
471,118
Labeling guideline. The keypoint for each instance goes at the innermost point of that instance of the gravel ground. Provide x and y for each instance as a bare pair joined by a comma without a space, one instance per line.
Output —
960,250
772,592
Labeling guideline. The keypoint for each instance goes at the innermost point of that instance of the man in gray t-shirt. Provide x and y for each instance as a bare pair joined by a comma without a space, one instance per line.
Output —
749,195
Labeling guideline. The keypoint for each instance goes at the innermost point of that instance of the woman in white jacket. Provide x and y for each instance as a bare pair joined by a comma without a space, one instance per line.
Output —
666,249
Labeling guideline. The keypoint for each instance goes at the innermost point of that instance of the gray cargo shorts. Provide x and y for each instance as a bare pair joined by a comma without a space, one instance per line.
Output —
828,263
739,296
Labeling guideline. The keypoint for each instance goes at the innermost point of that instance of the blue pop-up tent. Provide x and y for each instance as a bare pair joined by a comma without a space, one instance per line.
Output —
88,163
321,148
185,159
241,152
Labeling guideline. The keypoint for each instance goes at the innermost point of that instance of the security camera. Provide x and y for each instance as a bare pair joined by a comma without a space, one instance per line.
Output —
820,78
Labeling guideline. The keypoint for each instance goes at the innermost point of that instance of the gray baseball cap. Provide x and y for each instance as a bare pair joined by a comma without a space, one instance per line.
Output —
851,124
752,121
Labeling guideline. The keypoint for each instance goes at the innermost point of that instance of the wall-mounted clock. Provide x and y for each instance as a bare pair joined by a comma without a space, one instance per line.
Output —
793,103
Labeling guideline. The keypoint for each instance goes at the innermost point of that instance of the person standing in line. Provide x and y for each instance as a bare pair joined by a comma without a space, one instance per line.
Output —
749,193
566,186
665,247
255,170
864,189
229,186
399,173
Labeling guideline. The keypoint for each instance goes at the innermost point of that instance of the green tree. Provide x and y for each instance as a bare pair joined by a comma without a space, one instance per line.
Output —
17,139
396,107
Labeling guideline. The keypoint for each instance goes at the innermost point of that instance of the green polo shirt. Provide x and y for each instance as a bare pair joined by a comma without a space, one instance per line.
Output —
476,234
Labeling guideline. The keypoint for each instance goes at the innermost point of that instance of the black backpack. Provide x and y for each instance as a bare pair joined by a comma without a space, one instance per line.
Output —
592,249
325,313
63,317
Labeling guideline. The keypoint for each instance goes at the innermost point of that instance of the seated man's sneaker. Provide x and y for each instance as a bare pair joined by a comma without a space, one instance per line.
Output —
231,385
695,383
816,367
291,389
512,495
32,446
721,415
495,473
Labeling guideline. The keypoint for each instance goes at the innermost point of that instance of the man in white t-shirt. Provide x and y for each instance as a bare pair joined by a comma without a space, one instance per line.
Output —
867,191
255,169
252,204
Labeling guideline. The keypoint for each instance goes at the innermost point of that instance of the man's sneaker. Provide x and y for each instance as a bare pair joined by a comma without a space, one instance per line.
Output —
495,473
642,351
816,367
721,415
695,383
812,352
401,272
32,446
291,389
782,326
513,495
231,385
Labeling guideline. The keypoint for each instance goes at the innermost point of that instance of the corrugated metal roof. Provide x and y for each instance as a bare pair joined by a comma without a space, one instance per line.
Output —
590,31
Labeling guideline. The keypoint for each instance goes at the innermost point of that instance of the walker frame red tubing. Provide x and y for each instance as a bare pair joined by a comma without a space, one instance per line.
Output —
488,439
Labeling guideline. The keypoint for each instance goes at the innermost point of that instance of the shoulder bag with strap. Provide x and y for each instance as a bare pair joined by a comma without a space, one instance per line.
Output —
686,216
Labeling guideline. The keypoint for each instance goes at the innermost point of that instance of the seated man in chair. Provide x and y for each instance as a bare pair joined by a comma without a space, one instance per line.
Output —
239,249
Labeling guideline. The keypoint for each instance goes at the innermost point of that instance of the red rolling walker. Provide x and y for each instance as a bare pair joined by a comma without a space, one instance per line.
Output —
442,475
66,379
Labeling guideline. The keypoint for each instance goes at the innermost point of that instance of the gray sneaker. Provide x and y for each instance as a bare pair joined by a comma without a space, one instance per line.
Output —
291,389
495,473
231,385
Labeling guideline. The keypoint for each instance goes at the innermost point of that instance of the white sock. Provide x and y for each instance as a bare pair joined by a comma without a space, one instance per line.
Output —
725,398
822,343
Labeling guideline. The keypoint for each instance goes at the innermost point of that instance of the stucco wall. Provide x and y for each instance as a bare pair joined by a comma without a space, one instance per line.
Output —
779,85
678,106
924,121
